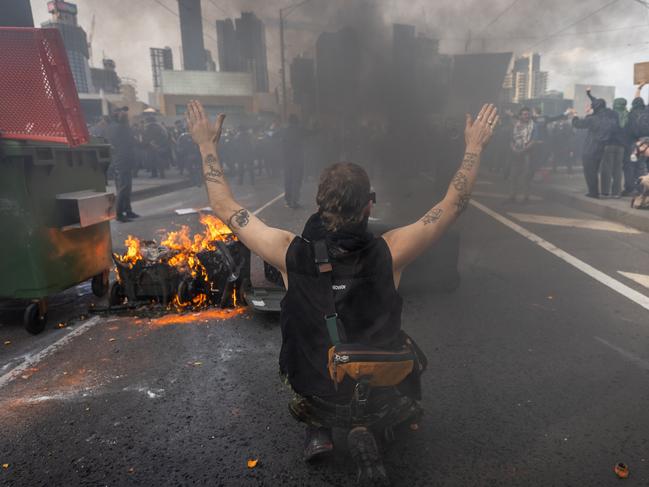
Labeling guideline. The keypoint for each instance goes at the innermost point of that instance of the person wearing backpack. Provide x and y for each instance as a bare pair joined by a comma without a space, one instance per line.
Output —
602,124
342,307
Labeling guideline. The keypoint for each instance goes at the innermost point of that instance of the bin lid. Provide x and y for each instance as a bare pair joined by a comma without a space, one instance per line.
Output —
18,148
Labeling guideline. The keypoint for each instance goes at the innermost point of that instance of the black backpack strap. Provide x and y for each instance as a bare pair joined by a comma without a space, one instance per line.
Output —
325,270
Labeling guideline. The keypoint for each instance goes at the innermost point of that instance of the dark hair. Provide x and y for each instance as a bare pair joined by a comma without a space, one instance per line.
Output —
343,193
524,109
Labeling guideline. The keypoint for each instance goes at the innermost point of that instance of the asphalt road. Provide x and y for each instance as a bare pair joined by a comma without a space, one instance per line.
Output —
537,377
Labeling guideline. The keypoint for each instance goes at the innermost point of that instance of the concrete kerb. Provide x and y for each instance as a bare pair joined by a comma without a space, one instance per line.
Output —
638,219
145,193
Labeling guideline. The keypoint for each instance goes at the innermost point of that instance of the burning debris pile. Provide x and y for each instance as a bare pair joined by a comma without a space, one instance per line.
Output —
183,271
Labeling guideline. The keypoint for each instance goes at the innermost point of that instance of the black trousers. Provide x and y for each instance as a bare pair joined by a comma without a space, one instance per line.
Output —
124,186
592,162
293,175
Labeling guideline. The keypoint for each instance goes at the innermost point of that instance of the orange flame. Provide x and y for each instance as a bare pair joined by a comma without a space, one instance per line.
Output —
185,248
133,251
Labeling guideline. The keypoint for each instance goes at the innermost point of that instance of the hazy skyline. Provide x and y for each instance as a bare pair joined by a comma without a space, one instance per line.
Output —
599,50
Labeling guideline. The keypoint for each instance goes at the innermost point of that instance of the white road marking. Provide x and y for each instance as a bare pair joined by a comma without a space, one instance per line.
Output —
643,364
574,223
501,195
587,269
30,360
271,202
641,279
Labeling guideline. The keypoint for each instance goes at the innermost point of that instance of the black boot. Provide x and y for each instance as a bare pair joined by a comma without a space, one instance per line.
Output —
365,452
317,443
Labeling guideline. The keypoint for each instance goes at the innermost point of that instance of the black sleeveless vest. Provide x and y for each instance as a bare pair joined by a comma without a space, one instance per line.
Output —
366,301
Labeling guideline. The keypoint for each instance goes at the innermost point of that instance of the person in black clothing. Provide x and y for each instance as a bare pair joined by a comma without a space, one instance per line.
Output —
636,128
121,139
244,150
293,162
540,151
158,147
189,157
365,271
602,124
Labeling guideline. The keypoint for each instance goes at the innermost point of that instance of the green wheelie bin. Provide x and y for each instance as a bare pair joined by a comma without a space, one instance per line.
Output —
55,214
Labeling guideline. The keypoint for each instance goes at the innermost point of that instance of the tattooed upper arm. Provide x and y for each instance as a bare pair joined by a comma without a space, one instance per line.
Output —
241,218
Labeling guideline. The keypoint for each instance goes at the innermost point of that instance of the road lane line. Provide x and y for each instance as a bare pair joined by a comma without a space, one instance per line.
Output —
30,360
643,364
641,279
587,269
271,202
558,221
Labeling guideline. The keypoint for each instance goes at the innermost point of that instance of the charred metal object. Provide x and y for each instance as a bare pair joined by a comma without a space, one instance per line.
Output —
216,278
226,271
150,278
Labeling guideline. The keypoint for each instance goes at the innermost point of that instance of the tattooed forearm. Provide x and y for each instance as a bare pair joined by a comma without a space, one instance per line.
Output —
432,216
213,171
241,218
462,202
470,160
460,182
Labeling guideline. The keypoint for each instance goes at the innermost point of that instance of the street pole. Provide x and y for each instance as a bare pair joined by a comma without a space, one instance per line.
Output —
283,54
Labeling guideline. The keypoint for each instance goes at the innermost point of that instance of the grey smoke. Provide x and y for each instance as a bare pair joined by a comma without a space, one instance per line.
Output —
127,28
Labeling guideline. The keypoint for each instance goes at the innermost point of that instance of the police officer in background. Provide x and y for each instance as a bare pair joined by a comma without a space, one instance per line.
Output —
121,139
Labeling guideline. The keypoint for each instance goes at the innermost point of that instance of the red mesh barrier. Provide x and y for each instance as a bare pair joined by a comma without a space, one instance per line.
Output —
38,97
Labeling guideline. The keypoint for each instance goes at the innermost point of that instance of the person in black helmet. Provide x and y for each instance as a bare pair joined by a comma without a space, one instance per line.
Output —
365,271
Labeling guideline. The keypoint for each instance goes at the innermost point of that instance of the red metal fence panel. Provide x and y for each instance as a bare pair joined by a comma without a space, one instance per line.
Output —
38,97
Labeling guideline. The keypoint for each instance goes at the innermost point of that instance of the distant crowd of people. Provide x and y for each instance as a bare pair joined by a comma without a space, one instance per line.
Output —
247,152
609,142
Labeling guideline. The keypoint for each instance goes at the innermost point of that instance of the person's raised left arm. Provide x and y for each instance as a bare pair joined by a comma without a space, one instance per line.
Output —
409,242
271,244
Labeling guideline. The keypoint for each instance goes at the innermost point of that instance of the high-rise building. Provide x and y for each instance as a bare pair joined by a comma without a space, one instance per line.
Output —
16,13
242,48
161,60
526,81
106,79
64,18
338,72
191,33
251,33
228,45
